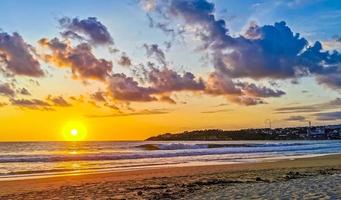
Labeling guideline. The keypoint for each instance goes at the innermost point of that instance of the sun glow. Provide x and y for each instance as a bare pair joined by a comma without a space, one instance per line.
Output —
74,131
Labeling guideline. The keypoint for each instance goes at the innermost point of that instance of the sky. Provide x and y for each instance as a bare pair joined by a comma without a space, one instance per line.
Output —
128,70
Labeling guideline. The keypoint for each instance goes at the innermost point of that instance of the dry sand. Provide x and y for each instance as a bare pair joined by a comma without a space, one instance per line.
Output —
305,178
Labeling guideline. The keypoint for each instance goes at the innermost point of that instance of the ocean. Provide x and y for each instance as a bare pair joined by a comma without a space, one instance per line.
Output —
23,160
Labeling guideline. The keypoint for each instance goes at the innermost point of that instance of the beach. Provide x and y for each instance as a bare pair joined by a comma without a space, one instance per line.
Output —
301,178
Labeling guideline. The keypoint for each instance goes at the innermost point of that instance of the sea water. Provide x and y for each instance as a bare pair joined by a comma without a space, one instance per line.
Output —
21,160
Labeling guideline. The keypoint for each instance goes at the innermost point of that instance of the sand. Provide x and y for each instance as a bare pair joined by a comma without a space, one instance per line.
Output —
304,178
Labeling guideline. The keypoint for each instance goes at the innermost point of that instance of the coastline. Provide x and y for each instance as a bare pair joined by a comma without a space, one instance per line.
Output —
171,180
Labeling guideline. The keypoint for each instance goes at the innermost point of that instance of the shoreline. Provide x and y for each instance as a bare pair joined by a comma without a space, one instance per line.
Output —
232,172
19,177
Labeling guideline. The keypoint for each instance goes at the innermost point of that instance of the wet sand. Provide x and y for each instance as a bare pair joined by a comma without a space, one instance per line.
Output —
307,178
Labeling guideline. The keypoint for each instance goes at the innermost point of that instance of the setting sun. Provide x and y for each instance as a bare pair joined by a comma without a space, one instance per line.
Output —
74,131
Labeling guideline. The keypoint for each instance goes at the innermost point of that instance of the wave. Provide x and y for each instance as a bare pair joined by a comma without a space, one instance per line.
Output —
179,146
199,151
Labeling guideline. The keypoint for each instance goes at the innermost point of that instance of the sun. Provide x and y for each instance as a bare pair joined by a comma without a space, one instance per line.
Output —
74,131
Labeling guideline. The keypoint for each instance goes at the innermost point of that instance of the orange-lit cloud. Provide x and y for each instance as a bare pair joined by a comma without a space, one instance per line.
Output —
18,57
80,59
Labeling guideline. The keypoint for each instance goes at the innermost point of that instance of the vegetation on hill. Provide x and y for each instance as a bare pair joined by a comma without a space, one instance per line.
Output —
294,133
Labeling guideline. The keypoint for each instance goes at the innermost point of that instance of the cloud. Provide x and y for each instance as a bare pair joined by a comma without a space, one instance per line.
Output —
262,52
98,96
154,50
331,79
200,13
241,92
251,89
167,80
246,100
24,91
159,83
298,109
34,104
332,44
164,27
2,104
80,59
278,54
220,84
333,104
168,99
91,28
17,56
37,104
337,38
148,4
329,116
216,111
162,82
58,101
296,118
221,105
124,61
126,88
143,112
6,90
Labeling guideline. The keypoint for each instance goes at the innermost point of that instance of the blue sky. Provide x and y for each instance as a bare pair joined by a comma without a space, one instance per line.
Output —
321,18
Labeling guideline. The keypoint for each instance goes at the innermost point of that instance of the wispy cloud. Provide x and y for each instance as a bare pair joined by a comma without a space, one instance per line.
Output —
329,116
296,118
34,104
143,112
216,111
333,104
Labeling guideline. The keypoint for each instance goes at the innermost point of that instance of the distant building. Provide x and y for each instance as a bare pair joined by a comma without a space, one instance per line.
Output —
320,131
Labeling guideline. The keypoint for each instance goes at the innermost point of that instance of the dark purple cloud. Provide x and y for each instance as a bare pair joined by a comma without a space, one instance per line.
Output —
37,104
296,118
154,50
216,111
91,28
7,90
329,116
164,27
245,100
159,84
332,104
17,56
24,91
242,93
269,51
167,99
80,59
34,104
167,80
58,101
143,112
98,96
251,89
126,88
124,61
